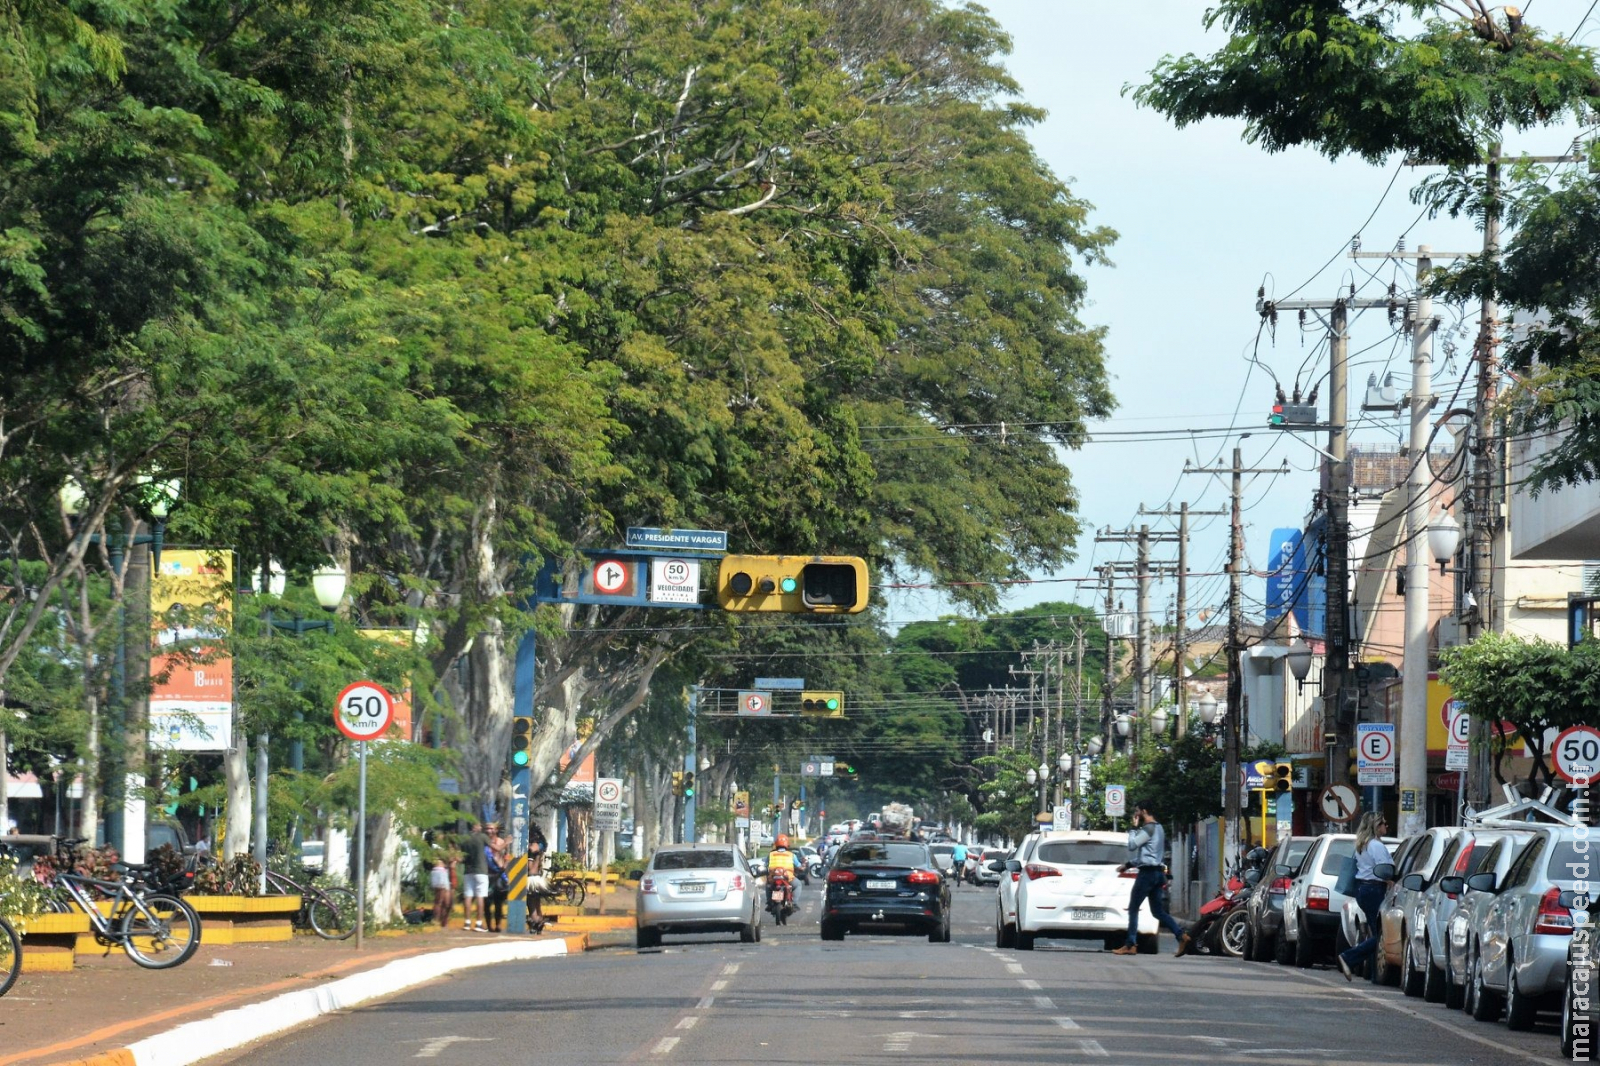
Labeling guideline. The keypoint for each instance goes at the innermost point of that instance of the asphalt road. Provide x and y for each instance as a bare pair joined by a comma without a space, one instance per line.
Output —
793,999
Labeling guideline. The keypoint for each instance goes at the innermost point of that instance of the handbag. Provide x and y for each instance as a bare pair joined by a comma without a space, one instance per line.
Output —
1346,884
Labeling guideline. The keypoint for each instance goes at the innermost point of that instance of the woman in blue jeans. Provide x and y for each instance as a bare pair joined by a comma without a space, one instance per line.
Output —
1370,854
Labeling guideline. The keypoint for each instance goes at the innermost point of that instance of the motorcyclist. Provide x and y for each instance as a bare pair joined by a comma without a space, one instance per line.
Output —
780,865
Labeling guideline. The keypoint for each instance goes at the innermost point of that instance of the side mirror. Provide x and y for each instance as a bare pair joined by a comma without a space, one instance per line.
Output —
1283,870
634,875
1413,882
1452,885
1383,871
997,866
1483,882
1013,866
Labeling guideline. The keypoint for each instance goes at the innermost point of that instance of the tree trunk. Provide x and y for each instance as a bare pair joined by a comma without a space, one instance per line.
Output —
384,880
89,812
486,704
238,812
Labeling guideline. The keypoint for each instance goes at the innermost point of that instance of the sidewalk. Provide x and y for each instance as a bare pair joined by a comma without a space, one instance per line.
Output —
101,1012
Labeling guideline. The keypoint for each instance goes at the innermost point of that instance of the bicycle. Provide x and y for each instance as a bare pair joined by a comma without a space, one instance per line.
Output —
568,890
158,931
328,912
10,956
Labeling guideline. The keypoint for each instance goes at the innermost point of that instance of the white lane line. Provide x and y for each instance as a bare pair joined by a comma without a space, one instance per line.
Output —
689,1022
731,969
718,986
1030,985
705,1002
1092,1047
1068,1023
1044,1003
1401,1008
1014,967
664,1045
432,1048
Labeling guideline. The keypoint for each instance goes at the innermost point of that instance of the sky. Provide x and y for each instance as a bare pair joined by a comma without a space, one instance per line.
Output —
1205,219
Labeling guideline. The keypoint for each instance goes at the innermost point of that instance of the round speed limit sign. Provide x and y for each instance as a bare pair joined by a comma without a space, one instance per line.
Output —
1576,754
363,710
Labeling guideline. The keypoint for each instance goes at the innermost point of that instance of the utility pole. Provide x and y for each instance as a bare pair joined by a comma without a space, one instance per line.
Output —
1413,729
1180,641
1233,798
1109,682
1143,571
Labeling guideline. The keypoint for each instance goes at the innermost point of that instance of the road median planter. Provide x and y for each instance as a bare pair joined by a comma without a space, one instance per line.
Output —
49,941
245,919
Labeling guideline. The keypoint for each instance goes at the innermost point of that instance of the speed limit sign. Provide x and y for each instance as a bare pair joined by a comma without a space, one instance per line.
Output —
1577,754
363,710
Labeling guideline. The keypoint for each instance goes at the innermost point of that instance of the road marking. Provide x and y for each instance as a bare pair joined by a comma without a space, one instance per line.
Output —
898,1041
718,986
705,1002
1015,967
1068,1023
689,1022
431,1049
1092,1047
1044,1002
1030,985
664,1045
731,969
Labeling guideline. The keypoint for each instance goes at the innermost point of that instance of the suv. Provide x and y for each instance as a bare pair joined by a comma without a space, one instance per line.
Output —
1264,908
1313,907
1073,887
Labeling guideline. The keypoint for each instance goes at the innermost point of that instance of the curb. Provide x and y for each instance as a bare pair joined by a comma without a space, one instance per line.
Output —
230,1029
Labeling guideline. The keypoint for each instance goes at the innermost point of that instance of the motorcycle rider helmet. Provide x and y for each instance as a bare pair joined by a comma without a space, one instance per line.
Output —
782,841
1257,856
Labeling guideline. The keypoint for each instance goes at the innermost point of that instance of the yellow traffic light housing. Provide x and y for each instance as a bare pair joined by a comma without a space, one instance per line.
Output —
521,742
795,584
822,704
1282,777
677,782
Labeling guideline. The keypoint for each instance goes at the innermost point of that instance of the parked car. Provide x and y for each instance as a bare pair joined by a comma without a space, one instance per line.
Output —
1264,909
886,885
987,873
1516,954
1072,888
1005,903
1312,905
1401,910
1428,936
1580,998
697,888
1493,860
943,855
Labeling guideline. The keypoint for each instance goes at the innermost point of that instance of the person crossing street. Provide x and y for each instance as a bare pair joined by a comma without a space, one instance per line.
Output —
1147,847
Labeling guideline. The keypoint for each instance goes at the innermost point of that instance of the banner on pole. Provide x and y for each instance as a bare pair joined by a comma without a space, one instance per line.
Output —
191,674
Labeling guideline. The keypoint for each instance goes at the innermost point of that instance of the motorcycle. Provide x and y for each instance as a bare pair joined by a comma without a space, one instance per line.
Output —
1223,927
780,898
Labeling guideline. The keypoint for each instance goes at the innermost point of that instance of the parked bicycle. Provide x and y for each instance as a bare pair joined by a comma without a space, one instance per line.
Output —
329,912
10,956
157,930
568,889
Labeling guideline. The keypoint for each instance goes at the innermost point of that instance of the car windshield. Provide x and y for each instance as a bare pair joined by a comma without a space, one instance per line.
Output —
694,860
943,849
1082,852
882,855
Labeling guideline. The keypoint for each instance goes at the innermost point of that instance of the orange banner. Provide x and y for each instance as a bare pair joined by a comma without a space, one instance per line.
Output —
400,726
191,692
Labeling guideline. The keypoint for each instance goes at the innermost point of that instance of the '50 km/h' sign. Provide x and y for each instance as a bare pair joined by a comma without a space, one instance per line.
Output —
1576,754
363,710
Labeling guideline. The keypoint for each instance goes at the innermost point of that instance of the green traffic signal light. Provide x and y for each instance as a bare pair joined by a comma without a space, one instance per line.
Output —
688,783
788,584
521,742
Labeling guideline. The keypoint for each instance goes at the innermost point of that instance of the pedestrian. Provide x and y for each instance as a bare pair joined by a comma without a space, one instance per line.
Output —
1371,852
538,884
475,890
499,856
1147,847
439,881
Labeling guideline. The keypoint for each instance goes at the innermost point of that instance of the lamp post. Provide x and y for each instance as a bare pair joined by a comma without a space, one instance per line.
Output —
1299,659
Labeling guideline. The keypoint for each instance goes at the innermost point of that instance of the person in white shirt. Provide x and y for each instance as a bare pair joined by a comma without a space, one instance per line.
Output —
1371,852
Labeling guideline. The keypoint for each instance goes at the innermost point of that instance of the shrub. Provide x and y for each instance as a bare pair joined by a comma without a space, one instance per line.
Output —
21,897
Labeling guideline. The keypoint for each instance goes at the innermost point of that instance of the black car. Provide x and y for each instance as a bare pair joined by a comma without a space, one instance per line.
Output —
886,885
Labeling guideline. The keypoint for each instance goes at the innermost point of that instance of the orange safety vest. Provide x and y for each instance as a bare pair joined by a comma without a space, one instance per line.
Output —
781,860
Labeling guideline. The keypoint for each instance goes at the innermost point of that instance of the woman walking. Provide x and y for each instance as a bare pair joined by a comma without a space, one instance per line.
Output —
1370,854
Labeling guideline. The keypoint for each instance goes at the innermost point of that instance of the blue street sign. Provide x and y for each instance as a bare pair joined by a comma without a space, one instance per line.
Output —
781,682
705,540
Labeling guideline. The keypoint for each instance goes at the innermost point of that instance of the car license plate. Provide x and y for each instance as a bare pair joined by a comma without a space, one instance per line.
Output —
1080,914
690,888
883,884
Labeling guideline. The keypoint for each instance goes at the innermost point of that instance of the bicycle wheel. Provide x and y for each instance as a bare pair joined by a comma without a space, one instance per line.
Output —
10,956
572,890
164,934
333,912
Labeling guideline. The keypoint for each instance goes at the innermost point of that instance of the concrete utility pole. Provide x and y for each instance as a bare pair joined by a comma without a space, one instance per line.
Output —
1109,683
1413,730
1232,786
1143,570
1180,640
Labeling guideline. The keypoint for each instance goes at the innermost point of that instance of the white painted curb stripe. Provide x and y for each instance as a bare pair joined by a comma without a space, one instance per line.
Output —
230,1029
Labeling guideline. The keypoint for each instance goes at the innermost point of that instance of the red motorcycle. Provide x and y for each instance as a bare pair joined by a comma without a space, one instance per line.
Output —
780,897
1223,927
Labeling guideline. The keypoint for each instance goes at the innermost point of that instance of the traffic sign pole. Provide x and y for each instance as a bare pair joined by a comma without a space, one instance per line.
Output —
362,711
361,846
690,758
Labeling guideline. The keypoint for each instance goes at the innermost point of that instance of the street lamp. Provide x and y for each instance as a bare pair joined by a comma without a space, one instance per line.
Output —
1299,657
1124,725
1095,746
1210,713
1444,537
1158,720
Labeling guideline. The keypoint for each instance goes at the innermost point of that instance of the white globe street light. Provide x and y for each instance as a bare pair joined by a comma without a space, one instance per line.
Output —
1124,725
1444,537
328,583
1210,714
1299,657
1033,776
1065,762
1158,720
1095,746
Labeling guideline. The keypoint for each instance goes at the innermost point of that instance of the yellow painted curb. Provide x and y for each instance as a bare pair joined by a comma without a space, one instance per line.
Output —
77,922
118,1057
577,944
244,904
47,960
595,923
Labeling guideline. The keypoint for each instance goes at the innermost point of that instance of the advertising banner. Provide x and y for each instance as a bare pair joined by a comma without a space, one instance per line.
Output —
191,693
400,728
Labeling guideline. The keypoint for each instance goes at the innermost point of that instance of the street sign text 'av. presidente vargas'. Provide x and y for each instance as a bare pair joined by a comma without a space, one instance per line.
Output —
695,540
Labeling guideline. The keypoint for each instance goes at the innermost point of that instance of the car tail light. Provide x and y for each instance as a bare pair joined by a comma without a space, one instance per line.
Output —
1279,885
647,885
1036,870
1316,898
1552,916
1016,875
923,877
737,884
839,877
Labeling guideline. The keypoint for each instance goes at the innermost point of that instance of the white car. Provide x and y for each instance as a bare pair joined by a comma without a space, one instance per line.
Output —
1005,900
1071,888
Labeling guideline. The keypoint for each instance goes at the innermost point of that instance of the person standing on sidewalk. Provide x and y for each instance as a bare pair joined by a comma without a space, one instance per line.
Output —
475,893
499,856
1371,852
1147,847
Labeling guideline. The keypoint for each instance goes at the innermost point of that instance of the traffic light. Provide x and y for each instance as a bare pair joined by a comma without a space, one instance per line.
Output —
687,786
822,704
521,742
677,782
795,584
1276,418
1282,777
844,768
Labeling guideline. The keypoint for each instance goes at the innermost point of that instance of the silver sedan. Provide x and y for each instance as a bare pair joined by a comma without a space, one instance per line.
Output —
697,888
